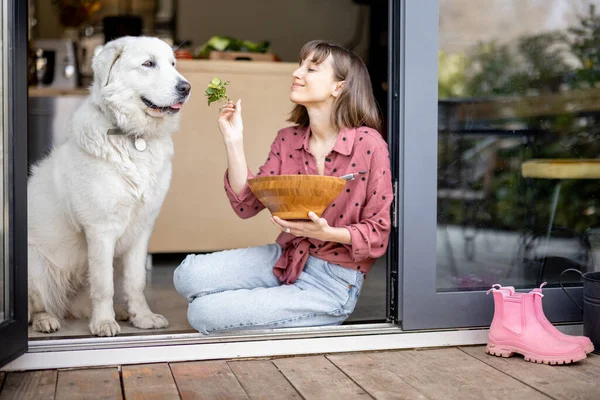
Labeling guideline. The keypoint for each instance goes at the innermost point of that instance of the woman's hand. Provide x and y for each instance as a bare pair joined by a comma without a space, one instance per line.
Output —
230,121
318,228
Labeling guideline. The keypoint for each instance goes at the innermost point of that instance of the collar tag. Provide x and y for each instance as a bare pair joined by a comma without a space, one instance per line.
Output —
140,144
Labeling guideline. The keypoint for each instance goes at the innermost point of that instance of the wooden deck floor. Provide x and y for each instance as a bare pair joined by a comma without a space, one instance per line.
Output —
449,373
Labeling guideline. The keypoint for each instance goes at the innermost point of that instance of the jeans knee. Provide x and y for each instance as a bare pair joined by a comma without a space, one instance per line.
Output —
201,318
183,279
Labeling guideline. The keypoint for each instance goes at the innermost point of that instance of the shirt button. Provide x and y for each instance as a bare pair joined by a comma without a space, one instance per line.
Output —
355,251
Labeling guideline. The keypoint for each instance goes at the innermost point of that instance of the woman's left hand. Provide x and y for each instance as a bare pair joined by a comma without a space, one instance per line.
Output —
318,228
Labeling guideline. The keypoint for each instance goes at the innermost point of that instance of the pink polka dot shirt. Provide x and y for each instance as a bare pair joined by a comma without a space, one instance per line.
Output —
363,207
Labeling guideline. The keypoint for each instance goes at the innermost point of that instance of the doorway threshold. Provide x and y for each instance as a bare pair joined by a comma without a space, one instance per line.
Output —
92,352
122,350
187,338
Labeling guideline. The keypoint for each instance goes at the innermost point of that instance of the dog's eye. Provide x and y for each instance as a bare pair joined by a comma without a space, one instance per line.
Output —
149,64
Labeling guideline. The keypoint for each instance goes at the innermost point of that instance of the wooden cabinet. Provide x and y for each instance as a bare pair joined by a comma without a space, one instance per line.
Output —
196,215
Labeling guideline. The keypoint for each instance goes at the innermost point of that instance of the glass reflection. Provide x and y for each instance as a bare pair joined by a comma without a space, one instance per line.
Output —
519,80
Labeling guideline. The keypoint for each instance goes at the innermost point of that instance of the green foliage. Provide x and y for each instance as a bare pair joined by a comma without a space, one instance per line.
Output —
556,63
492,70
585,46
451,76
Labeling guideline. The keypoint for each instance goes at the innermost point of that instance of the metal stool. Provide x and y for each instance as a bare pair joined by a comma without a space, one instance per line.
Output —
559,169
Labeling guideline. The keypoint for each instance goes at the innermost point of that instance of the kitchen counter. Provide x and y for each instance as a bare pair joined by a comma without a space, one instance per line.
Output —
36,91
196,215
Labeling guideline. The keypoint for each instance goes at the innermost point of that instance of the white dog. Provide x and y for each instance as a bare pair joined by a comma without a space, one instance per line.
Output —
93,201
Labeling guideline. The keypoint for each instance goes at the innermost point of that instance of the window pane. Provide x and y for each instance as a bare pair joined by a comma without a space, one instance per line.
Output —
518,81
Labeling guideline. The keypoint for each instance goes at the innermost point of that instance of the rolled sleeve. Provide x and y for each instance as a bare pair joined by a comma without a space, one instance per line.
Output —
370,237
245,204
361,245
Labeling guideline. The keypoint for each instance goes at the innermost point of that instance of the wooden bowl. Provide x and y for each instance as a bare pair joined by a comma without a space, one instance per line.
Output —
293,196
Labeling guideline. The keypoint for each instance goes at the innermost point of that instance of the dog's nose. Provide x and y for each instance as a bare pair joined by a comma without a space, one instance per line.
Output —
183,88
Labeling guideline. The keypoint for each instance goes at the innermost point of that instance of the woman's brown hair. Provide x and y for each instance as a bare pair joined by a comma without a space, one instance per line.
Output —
355,106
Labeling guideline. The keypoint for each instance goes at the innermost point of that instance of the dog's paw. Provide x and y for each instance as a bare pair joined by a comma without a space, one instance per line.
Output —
150,321
44,322
121,313
105,327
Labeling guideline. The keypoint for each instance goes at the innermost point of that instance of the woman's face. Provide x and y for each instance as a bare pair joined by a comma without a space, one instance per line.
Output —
314,83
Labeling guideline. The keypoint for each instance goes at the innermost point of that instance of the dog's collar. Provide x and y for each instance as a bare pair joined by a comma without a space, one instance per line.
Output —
115,131
138,142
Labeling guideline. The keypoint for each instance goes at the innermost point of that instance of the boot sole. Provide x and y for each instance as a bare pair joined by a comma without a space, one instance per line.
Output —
508,351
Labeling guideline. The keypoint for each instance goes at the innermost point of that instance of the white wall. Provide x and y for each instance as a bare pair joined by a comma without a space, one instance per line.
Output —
286,24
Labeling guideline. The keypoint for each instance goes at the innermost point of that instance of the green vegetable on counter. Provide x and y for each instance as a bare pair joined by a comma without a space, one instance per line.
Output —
228,43
216,90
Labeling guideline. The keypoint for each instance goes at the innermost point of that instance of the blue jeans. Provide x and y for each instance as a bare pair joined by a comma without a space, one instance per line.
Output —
236,289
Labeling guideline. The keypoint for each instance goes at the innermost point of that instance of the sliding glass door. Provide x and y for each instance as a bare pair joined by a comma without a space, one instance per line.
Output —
488,87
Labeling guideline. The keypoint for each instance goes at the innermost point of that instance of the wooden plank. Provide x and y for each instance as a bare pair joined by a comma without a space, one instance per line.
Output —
316,377
30,385
594,358
93,383
206,380
451,374
149,382
574,381
510,107
375,377
262,380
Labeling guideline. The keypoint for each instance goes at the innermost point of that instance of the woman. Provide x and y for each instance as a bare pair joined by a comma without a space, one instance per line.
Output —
314,272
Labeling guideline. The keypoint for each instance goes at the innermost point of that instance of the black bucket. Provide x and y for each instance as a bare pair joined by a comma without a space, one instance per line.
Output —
591,305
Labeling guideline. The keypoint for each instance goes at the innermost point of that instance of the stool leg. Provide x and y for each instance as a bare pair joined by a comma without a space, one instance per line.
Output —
548,233
453,268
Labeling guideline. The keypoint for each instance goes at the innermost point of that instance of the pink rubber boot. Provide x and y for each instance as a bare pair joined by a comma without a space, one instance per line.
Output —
516,329
583,341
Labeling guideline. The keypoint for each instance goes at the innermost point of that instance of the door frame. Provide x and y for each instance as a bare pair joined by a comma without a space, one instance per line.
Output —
13,331
395,112
394,108
423,307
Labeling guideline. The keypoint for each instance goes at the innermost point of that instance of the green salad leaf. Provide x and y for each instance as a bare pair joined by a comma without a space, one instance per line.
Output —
216,90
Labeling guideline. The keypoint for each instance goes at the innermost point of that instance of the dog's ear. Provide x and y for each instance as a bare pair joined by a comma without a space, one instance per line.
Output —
103,62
